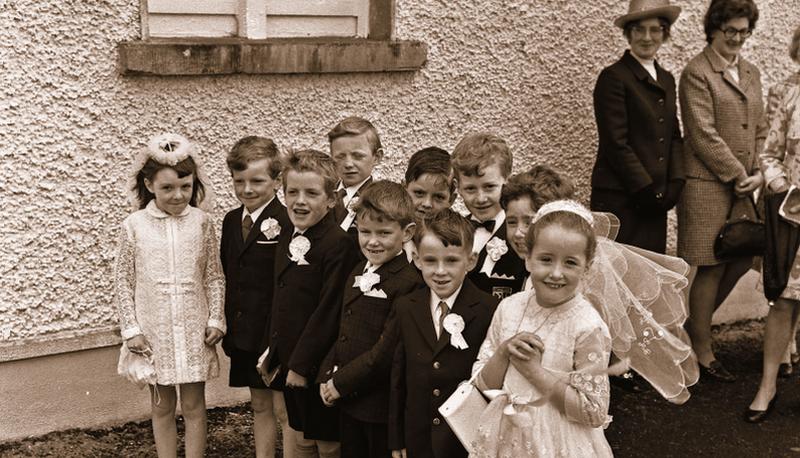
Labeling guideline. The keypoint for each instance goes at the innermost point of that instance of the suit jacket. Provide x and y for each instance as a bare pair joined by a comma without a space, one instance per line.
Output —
340,212
507,275
249,275
308,298
637,124
367,339
426,371
724,120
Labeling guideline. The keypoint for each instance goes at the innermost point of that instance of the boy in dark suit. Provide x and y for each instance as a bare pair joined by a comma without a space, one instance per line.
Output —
247,248
430,362
356,373
482,164
355,149
312,263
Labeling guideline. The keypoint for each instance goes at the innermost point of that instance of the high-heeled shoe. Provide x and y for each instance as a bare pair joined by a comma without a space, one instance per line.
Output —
716,371
794,358
757,416
785,370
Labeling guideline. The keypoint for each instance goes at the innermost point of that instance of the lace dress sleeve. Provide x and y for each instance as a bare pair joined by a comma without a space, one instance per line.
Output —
775,146
488,347
213,278
125,283
587,396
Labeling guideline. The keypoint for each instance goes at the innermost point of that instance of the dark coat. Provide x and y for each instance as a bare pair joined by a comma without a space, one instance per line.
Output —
508,274
340,212
426,371
308,298
367,339
637,124
249,276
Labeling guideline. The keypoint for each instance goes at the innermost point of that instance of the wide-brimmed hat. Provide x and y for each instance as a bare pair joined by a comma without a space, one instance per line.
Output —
642,9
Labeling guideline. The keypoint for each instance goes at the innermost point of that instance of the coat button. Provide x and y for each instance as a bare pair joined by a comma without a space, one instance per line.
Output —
348,312
436,365
661,120
343,338
436,392
660,139
744,126
281,284
239,314
436,421
661,101
660,158
659,195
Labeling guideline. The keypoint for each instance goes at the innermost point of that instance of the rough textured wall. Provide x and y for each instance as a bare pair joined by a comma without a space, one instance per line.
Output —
69,124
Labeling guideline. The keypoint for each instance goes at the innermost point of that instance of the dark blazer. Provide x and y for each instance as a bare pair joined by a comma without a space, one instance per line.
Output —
367,339
637,124
508,273
340,212
249,275
426,371
308,298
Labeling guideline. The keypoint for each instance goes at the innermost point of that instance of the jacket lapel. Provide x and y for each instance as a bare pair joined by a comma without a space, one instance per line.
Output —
236,230
270,211
719,65
640,72
421,314
463,307
351,292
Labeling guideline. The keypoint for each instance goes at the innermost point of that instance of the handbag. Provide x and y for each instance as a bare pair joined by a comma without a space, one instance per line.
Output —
742,235
462,410
138,368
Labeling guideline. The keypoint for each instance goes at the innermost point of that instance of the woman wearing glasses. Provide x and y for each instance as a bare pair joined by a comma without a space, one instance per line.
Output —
781,163
724,126
638,173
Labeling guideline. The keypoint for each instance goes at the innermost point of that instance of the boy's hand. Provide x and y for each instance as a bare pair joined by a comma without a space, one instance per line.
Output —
138,344
399,453
295,380
213,336
329,393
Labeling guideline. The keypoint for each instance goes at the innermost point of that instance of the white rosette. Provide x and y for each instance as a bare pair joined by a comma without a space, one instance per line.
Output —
454,324
270,227
366,281
298,248
495,249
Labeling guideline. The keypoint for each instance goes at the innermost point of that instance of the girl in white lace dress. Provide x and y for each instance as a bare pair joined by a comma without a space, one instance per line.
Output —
169,286
545,357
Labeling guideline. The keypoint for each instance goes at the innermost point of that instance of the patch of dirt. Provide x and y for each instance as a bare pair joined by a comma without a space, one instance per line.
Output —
709,424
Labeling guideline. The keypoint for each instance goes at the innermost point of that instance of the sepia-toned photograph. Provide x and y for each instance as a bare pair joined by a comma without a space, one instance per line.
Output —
399,228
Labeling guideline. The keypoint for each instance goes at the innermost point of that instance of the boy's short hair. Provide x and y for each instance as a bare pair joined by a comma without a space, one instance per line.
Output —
480,150
253,148
311,160
384,200
541,184
449,227
352,126
432,161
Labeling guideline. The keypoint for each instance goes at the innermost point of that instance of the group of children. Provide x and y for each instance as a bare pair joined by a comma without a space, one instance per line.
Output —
356,310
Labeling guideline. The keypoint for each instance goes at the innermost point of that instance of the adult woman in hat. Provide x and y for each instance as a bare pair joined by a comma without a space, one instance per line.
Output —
638,173
722,112
780,161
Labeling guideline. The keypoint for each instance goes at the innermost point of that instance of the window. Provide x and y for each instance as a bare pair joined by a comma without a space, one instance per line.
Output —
255,19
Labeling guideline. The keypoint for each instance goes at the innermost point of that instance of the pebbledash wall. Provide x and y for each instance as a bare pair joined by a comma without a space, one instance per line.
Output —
70,123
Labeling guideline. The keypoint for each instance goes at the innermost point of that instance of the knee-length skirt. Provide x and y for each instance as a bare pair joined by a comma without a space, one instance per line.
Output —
702,211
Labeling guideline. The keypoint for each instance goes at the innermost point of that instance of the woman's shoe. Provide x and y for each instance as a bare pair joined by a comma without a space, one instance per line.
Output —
795,358
716,371
785,370
757,416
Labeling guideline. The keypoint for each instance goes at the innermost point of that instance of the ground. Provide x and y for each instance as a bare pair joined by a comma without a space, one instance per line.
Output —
644,425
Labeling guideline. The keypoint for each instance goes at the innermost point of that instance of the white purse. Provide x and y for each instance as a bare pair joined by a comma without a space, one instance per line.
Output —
462,410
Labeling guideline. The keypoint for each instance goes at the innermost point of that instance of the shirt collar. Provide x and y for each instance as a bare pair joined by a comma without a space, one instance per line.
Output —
153,210
351,190
499,220
728,64
435,299
257,212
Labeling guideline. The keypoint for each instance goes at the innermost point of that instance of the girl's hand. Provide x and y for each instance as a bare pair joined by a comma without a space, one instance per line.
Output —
295,380
213,336
399,453
524,346
138,344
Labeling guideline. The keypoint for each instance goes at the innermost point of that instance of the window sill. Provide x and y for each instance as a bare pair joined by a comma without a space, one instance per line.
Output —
227,56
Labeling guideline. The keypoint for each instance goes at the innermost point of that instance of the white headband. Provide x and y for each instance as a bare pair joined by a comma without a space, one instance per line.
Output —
570,206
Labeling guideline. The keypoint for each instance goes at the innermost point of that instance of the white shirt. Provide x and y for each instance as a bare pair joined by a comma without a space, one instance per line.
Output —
648,64
257,212
482,236
436,312
350,193
731,67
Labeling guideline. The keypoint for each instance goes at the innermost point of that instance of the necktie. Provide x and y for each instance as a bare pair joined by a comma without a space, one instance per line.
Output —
247,224
443,311
488,224
341,194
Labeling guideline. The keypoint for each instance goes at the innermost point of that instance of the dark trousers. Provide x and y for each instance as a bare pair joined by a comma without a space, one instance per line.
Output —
643,228
361,439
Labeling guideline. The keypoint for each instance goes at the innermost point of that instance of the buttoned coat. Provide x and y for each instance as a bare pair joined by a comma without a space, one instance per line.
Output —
725,128
639,146
427,370
362,354
249,267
